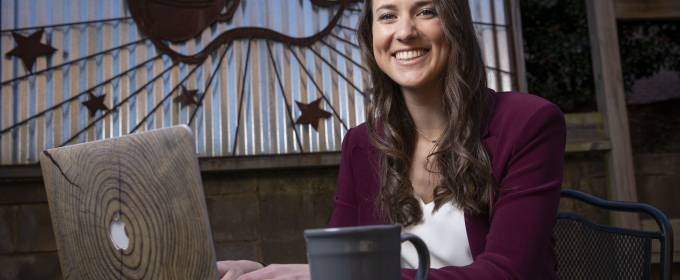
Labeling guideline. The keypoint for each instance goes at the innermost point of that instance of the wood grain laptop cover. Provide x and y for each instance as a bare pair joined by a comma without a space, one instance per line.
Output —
151,182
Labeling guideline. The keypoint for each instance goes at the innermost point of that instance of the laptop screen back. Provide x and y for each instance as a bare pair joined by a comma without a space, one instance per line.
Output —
130,207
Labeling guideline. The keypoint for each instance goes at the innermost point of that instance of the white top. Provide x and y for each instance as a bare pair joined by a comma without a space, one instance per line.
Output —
444,234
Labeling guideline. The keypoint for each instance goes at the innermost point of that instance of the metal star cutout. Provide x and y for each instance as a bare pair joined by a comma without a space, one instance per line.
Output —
29,48
187,97
311,113
95,103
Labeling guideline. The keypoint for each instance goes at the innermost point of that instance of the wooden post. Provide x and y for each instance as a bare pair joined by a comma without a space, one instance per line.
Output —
611,102
647,9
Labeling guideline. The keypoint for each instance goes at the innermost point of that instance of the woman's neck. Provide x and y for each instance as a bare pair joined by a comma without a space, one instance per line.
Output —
426,107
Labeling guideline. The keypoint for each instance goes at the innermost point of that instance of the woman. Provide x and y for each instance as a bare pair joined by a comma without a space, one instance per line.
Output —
475,173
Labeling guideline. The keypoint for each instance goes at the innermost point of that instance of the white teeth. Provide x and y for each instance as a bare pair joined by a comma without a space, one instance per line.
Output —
410,55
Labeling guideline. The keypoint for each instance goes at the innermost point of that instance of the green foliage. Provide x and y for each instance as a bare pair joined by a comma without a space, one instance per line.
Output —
557,51
558,57
647,47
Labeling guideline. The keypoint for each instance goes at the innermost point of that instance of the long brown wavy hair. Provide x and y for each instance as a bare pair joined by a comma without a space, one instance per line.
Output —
461,162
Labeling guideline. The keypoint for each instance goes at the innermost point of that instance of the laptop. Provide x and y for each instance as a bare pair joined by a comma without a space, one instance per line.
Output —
130,207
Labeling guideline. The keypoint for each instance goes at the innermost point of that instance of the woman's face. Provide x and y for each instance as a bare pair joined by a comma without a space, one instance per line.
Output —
408,42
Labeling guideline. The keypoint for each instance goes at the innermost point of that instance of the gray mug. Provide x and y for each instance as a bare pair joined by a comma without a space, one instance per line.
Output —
361,253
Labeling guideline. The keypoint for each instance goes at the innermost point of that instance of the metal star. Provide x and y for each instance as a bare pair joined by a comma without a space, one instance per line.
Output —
311,113
187,97
95,103
29,48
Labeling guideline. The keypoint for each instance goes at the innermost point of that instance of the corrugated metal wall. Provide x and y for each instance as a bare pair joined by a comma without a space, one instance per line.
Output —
114,59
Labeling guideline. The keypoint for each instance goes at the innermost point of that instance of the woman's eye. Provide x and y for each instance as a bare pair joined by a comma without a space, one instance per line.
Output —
428,12
384,17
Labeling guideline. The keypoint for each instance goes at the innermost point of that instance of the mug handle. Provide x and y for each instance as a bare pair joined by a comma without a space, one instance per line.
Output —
423,255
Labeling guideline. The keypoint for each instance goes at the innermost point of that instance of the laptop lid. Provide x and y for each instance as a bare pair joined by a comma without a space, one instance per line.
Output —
130,207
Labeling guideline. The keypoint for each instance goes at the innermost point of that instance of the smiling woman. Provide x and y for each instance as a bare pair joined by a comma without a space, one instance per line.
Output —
409,44
475,173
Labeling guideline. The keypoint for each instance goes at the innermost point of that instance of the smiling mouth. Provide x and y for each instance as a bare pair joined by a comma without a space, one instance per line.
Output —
410,55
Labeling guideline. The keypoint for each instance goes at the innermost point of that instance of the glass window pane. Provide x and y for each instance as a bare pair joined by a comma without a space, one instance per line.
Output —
502,49
490,48
507,81
491,77
499,9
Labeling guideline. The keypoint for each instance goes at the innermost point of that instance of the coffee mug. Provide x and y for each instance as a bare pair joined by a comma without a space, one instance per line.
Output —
361,253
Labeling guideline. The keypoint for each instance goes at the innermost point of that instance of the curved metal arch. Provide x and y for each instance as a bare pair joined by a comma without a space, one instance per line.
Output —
140,9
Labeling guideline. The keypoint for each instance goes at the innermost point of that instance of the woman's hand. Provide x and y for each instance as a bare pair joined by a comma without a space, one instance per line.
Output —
279,272
231,270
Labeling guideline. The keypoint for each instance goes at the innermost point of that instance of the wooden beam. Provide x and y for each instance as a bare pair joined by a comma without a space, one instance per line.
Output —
517,46
611,102
310,160
647,9
585,133
20,171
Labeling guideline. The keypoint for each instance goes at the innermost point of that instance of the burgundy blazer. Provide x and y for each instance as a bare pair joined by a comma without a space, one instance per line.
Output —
525,137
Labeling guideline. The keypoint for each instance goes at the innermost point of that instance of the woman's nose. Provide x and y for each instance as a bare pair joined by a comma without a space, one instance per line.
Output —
406,30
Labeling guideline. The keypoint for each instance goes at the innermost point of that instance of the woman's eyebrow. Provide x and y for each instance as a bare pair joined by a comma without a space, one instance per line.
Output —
422,3
392,7
387,7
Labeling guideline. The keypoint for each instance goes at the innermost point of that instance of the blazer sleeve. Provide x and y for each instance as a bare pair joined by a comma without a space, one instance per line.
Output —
345,212
523,215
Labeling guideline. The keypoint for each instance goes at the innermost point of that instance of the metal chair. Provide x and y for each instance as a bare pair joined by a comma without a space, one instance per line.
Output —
586,250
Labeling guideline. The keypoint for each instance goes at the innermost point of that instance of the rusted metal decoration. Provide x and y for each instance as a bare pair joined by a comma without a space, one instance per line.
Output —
95,103
187,97
311,113
179,20
29,48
